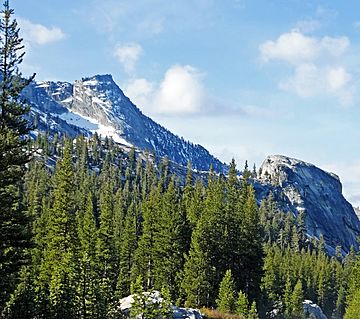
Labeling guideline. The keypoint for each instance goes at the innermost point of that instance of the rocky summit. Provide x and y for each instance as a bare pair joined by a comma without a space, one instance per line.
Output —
97,104
300,186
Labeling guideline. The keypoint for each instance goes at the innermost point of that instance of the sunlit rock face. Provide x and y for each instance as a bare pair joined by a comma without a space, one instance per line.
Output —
301,186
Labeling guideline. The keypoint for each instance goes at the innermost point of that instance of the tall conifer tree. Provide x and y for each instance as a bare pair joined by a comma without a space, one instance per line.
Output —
58,269
227,295
14,129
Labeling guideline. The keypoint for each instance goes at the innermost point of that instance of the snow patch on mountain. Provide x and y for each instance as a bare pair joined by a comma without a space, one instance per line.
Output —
93,126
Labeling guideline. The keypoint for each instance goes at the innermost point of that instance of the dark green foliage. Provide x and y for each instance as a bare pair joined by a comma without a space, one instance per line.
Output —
14,221
145,253
127,250
58,273
168,243
198,273
88,285
96,232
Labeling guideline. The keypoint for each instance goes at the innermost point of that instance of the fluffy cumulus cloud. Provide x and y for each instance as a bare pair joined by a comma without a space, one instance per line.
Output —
316,64
128,54
38,33
310,80
181,92
295,48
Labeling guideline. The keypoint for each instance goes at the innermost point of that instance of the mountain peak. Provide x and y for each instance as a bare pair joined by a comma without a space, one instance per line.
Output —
279,162
98,104
107,78
308,188
275,160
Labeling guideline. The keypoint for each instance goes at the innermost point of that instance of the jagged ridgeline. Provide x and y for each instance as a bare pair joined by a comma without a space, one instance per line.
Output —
97,104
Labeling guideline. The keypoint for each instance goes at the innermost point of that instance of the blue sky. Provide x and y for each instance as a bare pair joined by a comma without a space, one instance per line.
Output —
244,78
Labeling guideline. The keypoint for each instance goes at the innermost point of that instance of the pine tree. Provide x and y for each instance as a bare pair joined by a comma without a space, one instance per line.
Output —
287,297
232,219
353,308
353,297
58,269
138,306
195,206
242,305
14,221
127,252
301,228
105,247
226,298
253,314
297,298
252,252
88,281
198,272
144,256
340,304
165,311
214,229
168,243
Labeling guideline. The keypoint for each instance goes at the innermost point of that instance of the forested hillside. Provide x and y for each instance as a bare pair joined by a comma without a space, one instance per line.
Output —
103,218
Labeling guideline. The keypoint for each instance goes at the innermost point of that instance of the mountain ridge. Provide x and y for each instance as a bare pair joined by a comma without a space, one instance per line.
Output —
98,104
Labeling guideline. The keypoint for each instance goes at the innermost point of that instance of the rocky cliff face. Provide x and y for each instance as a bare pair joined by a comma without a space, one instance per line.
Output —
97,104
301,186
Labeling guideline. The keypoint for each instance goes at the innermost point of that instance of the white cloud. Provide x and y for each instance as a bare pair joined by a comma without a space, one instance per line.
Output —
289,47
181,92
334,46
316,64
38,33
310,80
304,82
296,48
337,78
128,54
140,92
